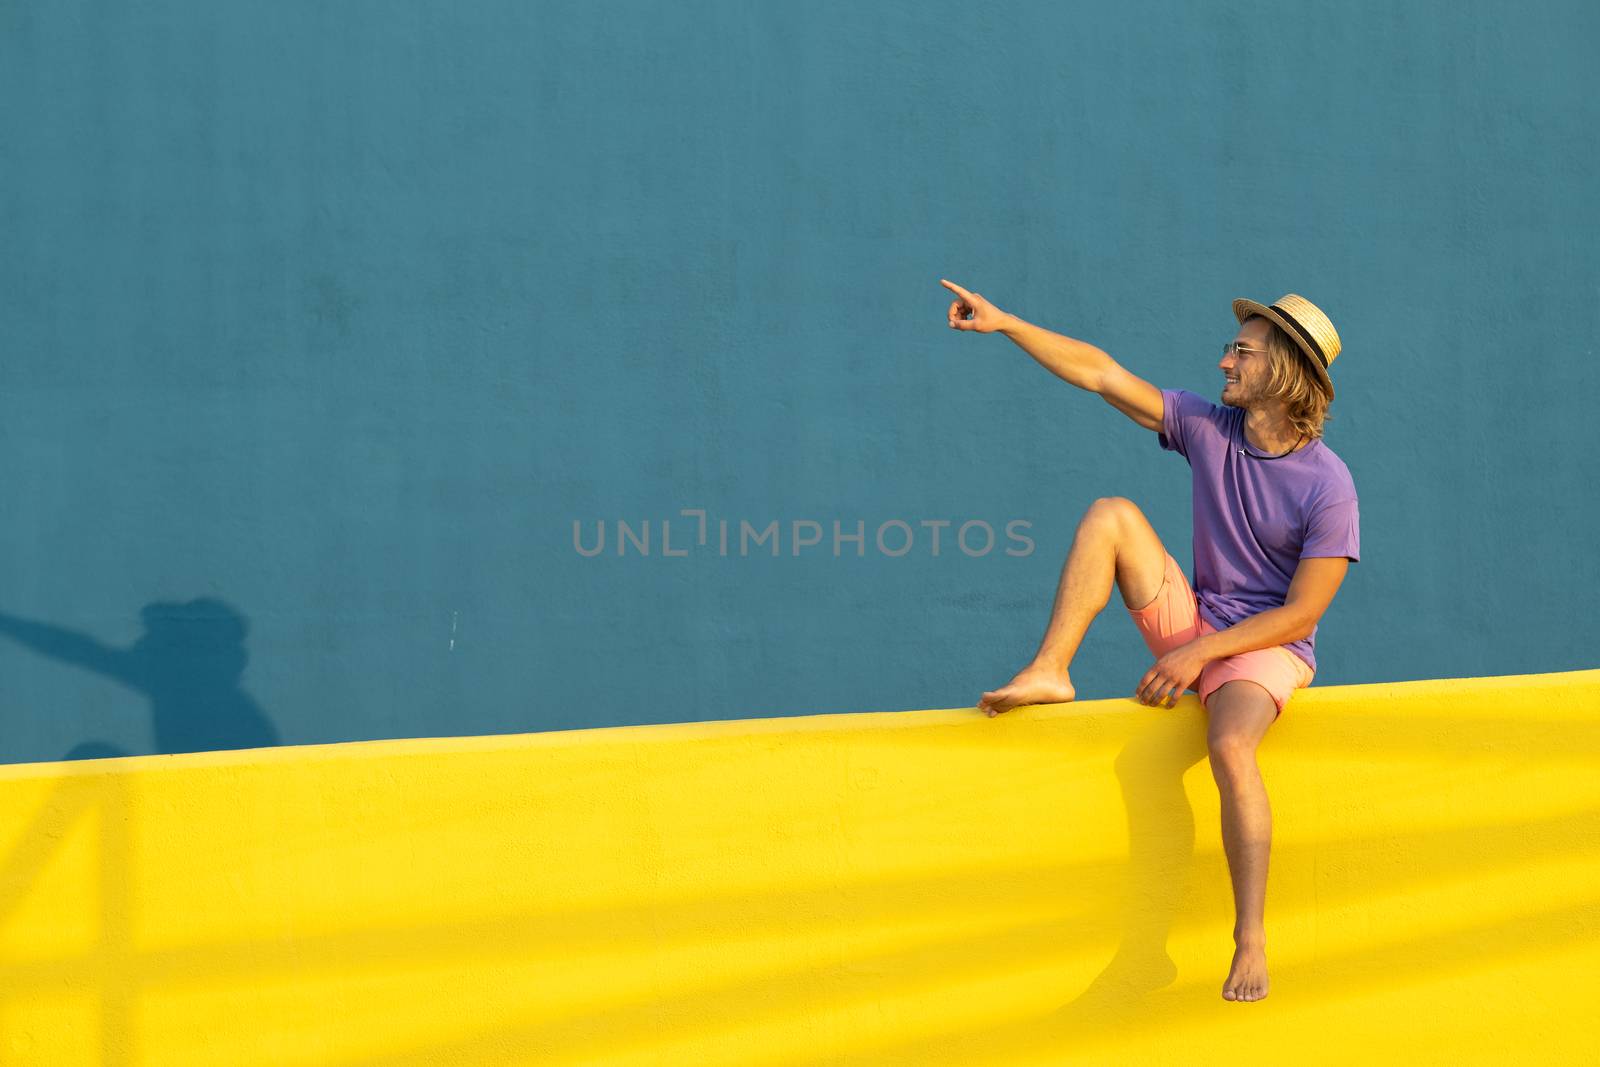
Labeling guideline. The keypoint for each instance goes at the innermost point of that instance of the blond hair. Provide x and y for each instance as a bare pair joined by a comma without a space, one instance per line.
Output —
1291,379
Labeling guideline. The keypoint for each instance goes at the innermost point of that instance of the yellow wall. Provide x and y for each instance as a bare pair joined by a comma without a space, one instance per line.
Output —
922,888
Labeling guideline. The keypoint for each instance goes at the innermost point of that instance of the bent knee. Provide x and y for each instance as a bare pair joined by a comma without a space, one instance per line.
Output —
1114,511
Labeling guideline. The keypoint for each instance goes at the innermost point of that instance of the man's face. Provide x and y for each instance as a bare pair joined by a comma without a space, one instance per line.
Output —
1248,365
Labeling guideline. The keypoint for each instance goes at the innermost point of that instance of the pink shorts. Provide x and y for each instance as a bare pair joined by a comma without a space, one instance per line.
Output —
1173,619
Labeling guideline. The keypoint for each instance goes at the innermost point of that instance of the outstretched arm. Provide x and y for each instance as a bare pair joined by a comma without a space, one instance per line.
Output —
1074,362
69,646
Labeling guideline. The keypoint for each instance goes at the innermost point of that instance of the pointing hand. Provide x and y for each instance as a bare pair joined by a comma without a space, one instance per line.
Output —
984,316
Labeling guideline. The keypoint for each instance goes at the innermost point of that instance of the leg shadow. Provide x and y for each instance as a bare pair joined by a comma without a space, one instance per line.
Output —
1150,771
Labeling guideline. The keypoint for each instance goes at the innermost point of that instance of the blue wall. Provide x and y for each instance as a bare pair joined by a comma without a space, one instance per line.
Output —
324,323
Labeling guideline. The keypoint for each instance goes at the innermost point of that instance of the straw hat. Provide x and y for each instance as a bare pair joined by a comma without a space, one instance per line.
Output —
1305,323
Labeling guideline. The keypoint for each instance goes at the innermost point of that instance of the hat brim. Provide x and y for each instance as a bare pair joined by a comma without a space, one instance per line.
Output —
1243,309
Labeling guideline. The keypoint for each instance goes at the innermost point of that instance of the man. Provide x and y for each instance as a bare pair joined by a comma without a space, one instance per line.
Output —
1275,525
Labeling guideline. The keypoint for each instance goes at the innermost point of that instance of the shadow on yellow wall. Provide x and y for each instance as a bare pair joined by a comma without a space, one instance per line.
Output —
900,888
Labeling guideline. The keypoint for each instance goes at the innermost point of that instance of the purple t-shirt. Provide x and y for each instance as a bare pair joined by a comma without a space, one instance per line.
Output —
1255,518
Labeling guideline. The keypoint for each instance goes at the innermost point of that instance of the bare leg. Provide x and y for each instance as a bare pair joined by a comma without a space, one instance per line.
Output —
1114,542
1240,713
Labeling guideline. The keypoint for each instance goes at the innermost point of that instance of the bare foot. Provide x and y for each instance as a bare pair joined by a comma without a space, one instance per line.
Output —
1032,685
1247,980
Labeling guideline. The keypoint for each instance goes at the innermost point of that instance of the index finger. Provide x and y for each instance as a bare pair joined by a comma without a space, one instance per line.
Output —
955,288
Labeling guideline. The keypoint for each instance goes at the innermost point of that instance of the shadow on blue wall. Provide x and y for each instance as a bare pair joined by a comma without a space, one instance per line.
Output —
188,663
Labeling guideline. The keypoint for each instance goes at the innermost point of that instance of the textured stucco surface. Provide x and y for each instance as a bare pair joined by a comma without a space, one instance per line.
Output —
340,315
913,888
